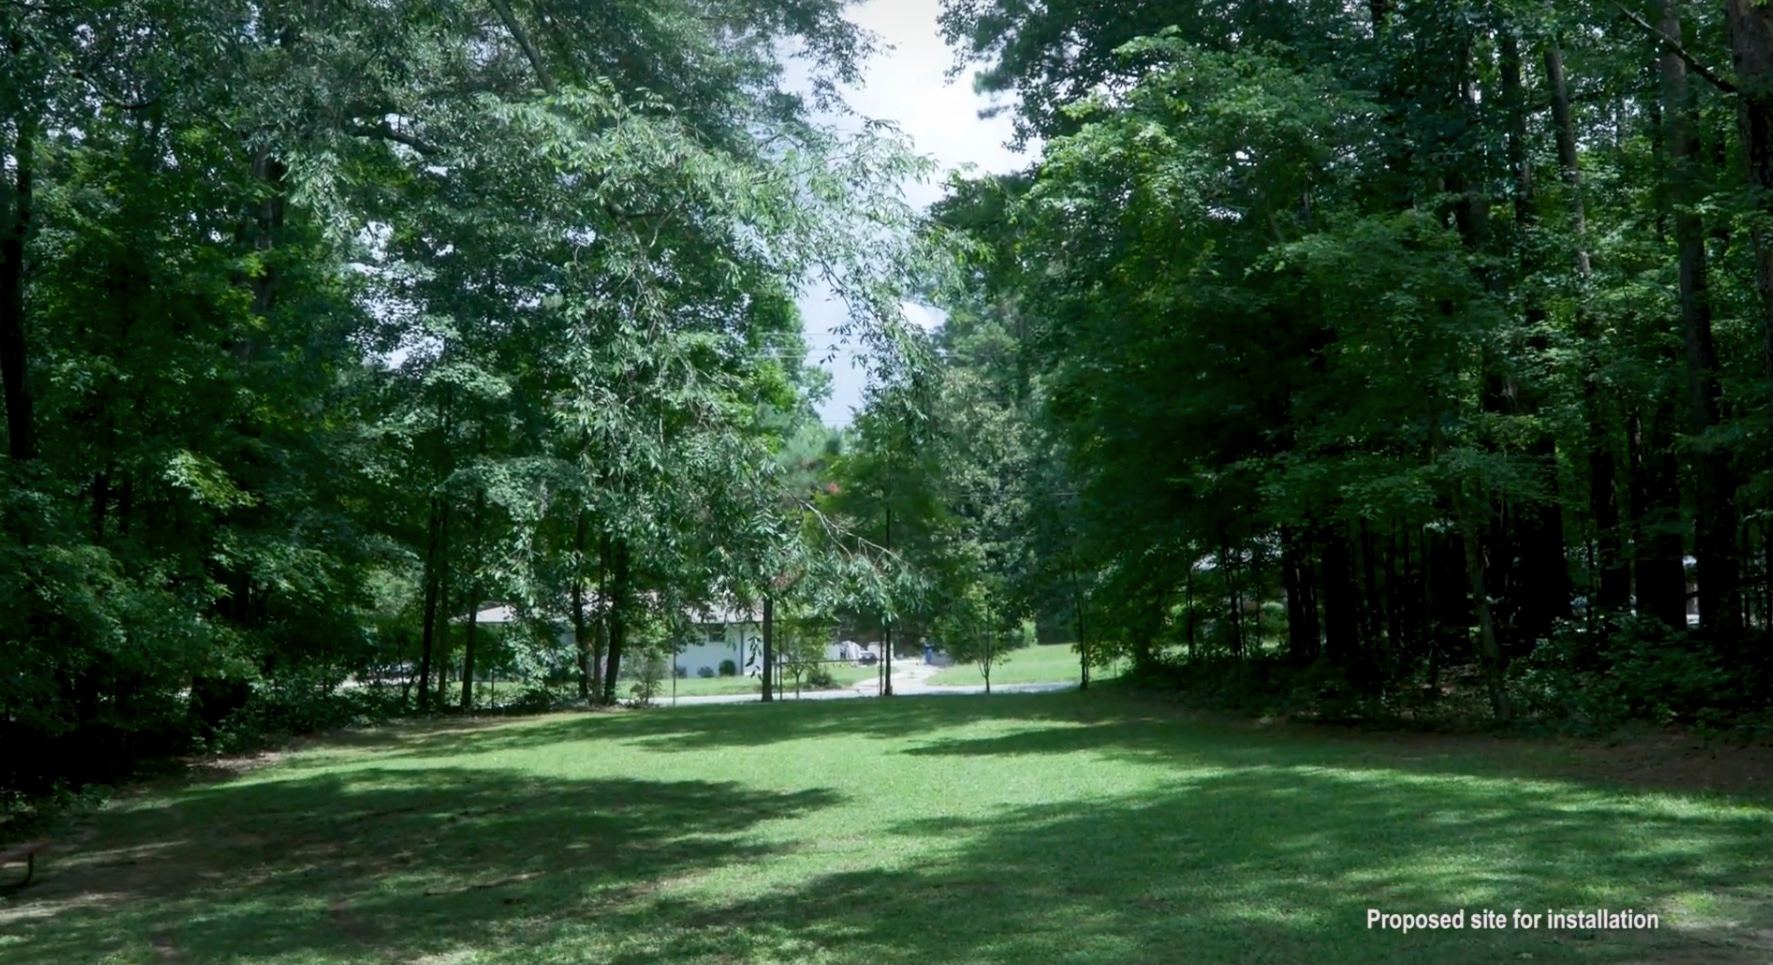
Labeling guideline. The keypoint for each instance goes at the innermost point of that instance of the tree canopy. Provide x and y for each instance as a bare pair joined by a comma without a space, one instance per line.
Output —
1336,350
326,324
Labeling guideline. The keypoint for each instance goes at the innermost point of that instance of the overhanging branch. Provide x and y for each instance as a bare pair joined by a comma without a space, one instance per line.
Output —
389,132
1674,46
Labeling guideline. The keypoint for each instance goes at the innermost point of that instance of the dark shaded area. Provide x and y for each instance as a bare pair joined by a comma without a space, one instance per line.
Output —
396,861
1278,862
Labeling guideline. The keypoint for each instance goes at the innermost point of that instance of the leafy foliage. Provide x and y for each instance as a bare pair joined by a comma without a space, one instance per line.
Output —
328,326
1353,355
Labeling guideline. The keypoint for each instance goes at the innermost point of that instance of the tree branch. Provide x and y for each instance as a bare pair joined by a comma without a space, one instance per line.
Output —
121,103
389,132
530,52
1674,47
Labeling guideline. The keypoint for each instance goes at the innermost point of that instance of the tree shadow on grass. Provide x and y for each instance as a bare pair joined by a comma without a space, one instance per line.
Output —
376,863
1117,725
1683,766
1266,864
721,725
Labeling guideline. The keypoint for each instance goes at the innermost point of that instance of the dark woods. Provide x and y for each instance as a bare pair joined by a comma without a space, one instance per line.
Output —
1380,354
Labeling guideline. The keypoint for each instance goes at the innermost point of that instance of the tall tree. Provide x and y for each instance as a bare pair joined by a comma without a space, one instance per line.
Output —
1714,545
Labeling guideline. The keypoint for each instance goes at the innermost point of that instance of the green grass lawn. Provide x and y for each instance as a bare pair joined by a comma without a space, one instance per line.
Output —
1092,827
700,686
1049,663
843,676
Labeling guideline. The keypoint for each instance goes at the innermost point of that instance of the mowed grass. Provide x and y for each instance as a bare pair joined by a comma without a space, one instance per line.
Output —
843,676
1069,827
1047,663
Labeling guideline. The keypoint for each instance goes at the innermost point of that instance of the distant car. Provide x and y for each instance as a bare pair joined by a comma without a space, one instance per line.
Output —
867,658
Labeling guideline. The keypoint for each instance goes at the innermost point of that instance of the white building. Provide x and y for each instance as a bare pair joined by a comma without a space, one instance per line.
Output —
715,636
719,635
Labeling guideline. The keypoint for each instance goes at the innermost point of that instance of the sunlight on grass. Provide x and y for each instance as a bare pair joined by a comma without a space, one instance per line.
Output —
1062,827
1047,663
843,676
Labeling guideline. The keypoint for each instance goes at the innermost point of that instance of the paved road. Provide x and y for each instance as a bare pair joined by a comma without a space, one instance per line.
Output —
908,681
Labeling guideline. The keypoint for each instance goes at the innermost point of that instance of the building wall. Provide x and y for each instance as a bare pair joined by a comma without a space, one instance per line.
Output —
739,642
742,643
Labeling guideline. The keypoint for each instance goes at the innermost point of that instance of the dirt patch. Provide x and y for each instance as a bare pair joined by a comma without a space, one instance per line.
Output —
1732,946
226,766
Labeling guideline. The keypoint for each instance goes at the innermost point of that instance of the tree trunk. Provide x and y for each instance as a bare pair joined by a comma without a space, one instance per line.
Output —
468,656
436,526
1296,578
1447,589
1714,498
618,618
1462,174
1750,24
261,231
1077,615
267,229
600,642
101,491
1757,603
21,434
1614,589
1514,105
769,645
1489,652
1141,659
1342,643
1537,574
1234,598
1396,589
1372,595
886,662
886,655
441,659
985,671
1656,518
581,638
474,589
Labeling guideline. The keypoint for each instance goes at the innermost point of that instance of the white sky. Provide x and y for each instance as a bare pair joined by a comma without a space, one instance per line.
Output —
906,83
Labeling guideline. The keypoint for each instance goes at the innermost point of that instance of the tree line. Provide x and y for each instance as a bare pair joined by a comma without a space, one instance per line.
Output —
1381,353
324,324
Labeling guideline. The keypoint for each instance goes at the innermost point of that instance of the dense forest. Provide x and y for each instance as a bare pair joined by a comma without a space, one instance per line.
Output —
1368,354
1376,357
325,322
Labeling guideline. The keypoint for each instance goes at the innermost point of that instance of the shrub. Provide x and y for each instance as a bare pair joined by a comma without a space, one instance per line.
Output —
299,701
650,678
1634,669
533,699
728,668
704,672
